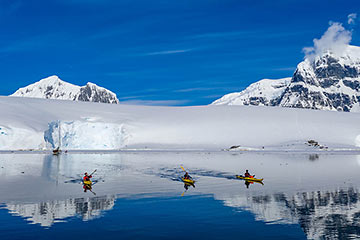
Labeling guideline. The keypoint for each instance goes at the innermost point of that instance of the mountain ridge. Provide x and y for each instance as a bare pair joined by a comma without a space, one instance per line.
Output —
327,82
54,88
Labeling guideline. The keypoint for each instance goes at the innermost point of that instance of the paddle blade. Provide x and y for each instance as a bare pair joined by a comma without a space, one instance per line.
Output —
182,168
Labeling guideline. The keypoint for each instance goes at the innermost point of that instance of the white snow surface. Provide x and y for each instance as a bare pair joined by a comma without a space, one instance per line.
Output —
30,123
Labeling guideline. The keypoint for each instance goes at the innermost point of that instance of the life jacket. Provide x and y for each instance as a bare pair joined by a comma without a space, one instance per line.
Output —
87,178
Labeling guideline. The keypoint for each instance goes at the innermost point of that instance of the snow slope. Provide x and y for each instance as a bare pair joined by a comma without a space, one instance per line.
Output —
54,88
260,93
30,123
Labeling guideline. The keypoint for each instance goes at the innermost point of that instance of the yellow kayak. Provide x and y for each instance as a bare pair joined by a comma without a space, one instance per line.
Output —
249,178
188,180
89,183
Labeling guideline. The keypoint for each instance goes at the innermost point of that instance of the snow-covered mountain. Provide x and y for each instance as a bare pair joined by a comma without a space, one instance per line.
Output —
261,93
328,82
54,88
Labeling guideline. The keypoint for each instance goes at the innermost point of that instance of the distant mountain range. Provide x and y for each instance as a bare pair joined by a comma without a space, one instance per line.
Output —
54,88
328,82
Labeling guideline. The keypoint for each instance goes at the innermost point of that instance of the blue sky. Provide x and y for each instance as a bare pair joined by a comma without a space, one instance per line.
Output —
161,52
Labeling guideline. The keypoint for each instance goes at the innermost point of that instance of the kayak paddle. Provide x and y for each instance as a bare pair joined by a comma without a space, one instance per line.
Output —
93,172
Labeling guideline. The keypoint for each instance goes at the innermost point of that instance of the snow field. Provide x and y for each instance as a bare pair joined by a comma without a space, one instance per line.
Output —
34,124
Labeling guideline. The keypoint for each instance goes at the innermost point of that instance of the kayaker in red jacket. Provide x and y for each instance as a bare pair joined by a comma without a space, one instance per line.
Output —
247,174
87,177
187,176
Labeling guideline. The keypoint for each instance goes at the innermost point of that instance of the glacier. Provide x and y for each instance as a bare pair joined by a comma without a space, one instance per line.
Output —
44,124
72,135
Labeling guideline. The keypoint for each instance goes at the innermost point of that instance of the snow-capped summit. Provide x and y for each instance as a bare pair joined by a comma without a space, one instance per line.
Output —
54,88
327,82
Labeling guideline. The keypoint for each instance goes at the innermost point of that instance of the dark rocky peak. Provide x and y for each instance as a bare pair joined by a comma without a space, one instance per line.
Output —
93,93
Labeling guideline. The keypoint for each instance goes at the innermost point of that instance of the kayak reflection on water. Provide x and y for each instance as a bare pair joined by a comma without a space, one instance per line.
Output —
187,185
248,182
88,186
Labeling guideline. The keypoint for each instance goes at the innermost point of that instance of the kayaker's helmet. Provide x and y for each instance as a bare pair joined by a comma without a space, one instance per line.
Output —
247,170
86,174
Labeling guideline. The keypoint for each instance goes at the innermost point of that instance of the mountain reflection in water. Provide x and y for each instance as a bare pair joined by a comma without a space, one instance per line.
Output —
48,213
333,215
46,189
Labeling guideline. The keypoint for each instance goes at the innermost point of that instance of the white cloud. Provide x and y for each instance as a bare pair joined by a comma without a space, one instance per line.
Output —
335,39
168,52
351,18
194,89
156,102
285,69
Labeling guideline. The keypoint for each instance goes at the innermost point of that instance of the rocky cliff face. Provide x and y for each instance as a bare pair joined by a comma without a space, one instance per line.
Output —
54,88
93,93
328,82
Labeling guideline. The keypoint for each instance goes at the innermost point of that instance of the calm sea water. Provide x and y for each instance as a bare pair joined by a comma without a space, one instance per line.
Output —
140,195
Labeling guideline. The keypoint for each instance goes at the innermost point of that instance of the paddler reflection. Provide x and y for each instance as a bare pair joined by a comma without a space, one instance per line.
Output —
87,187
188,185
248,182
